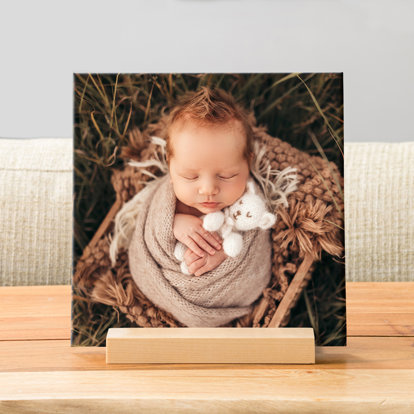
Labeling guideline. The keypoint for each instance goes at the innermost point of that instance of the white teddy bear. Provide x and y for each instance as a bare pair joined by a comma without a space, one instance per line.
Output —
247,213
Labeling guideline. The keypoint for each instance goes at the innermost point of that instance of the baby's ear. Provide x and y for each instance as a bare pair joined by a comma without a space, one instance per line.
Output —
267,221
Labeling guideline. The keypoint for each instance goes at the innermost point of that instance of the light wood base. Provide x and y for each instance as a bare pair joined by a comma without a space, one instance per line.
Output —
41,373
210,345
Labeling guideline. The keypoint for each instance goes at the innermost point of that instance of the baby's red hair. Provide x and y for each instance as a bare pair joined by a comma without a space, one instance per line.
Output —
211,106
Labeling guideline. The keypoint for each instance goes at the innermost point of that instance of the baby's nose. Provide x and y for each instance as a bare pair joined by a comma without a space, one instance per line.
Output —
208,191
208,188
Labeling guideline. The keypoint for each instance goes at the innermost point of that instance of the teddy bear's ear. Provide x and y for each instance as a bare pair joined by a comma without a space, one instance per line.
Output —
267,221
250,187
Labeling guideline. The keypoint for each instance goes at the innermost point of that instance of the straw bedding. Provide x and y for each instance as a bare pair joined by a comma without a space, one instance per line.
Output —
309,222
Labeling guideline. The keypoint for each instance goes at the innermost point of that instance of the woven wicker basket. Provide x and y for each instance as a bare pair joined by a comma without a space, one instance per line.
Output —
311,224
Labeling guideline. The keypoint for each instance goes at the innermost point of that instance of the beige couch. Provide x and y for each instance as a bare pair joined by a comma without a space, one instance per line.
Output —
36,179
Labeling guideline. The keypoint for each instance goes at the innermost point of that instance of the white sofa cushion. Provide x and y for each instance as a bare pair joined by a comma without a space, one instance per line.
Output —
36,211
379,211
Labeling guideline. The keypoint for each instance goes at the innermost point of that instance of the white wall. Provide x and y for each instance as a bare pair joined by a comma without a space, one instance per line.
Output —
44,42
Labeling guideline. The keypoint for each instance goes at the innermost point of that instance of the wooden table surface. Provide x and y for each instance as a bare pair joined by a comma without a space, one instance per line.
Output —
40,372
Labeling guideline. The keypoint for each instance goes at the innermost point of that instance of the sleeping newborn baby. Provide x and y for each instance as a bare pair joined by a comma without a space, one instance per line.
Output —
209,169
247,213
209,151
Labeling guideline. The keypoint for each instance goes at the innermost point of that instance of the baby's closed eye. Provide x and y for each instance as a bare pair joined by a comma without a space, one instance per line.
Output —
227,177
222,177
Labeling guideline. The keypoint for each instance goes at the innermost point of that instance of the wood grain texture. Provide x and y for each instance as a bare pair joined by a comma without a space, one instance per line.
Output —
210,345
40,372
226,405
263,390
43,312
35,312
361,353
380,308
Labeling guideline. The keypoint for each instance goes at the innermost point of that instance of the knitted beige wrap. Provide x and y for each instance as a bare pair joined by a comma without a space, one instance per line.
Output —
213,299
308,224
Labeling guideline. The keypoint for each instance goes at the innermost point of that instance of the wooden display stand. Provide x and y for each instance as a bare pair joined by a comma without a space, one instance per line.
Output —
210,345
273,345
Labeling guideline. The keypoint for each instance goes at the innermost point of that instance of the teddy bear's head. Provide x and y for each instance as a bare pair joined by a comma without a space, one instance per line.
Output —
249,211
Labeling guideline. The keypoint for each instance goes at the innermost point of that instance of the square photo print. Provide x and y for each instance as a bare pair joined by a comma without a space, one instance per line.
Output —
208,200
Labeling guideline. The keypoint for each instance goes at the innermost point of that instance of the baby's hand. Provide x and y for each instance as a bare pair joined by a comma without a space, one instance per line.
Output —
189,230
199,266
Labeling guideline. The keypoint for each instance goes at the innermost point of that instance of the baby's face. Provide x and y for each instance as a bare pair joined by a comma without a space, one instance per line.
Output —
207,165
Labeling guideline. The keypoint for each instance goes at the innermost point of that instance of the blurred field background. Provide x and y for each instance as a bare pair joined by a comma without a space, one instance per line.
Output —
304,109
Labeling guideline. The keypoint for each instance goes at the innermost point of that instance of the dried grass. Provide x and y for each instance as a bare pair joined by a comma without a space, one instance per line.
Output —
304,109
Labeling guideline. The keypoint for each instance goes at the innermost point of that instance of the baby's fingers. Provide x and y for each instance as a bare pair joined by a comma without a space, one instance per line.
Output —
199,245
195,266
190,257
192,245
210,238
217,237
202,269
203,243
